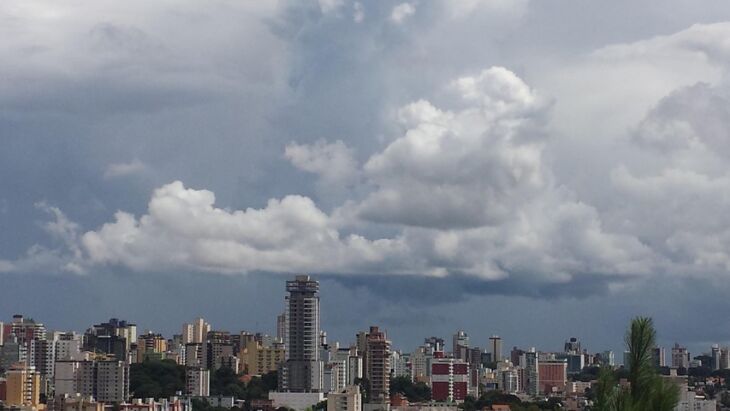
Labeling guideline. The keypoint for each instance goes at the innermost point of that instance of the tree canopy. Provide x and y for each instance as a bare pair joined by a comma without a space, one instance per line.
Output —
647,390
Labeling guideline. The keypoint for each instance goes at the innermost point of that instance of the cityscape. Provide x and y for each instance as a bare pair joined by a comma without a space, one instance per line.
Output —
113,364
351,205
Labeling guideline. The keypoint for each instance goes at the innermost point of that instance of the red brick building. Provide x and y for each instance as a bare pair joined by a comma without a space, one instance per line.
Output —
449,379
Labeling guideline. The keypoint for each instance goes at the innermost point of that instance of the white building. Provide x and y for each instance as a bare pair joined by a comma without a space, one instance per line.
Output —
690,401
348,399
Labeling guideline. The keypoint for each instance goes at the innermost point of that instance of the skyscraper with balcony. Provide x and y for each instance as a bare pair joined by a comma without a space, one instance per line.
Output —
302,371
378,365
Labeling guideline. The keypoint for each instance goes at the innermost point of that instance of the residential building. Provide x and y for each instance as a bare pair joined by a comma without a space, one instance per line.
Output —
259,359
348,399
460,345
195,332
106,380
302,371
680,357
197,382
23,386
449,379
378,365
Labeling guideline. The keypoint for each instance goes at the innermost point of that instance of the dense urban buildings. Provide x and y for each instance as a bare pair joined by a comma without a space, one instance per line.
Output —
68,371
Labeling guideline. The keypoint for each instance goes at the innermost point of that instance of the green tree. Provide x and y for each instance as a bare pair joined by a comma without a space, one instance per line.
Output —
647,390
156,379
415,392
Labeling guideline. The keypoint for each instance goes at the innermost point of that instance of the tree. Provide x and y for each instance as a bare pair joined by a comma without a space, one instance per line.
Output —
647,390
415,392
156,379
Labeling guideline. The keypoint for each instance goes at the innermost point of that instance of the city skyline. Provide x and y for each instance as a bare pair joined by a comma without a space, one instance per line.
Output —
502,167
473,336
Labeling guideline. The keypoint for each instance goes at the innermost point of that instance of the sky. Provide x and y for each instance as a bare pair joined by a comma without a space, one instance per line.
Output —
537,170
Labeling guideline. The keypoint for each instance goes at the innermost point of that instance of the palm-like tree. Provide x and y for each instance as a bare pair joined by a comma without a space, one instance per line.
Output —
647,390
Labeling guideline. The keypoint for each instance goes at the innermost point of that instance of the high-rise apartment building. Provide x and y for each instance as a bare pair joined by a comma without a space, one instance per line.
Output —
680,357
302,371
197,382
114,337
460,345
281,327
495,348
259,359
532,378
106,380
23,386
659,357
715,354
13,352
196,355
449,379
378,365
195,332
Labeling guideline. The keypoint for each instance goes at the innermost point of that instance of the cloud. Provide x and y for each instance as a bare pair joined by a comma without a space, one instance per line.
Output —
184,230
334,162
358,13
466,192
329,6
466,168
401,12
124,169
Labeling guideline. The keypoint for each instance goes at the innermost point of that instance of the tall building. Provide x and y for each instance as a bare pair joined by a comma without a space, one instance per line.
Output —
195,332
196,355
281,327
572,345
302,371
151,345
13,352
680,356
197,382
114,337
22,386
495,348
460,345
25,329
378,366
260,359
553,375
532,378
715,353
105,380
659,357
724,358
449,379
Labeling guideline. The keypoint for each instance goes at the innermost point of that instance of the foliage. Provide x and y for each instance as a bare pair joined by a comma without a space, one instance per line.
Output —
647,389
156,379
490,398
415,392
224,381
587,374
